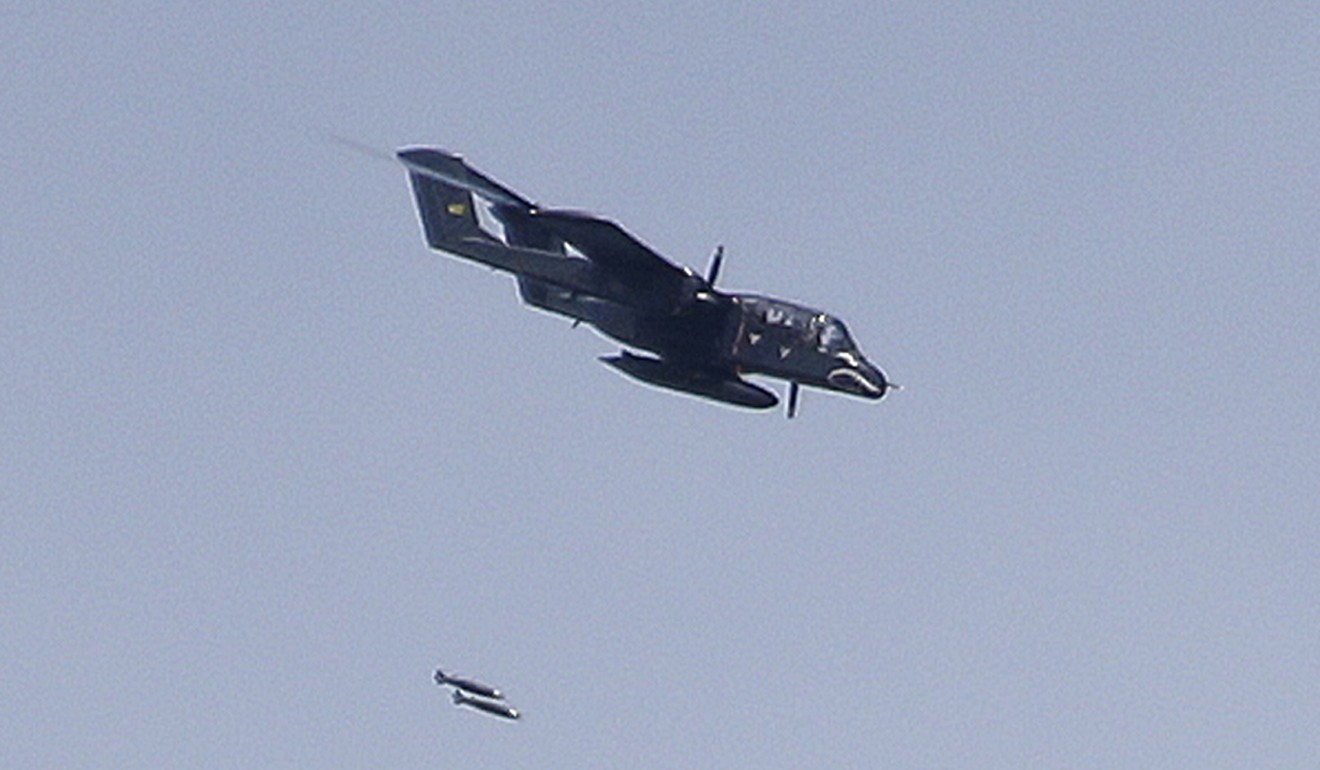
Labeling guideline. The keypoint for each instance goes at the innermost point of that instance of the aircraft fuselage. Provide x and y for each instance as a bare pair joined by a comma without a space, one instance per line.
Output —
749,333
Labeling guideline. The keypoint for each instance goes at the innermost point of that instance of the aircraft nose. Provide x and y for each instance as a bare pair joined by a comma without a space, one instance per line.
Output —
861,378
876,379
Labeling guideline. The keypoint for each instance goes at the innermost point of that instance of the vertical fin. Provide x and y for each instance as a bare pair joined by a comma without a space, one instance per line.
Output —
447,212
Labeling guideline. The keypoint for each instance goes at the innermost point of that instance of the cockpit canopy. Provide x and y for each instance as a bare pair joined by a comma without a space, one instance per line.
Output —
832,335
823,331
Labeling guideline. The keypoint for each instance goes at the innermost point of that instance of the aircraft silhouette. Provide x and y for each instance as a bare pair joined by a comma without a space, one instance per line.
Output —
591,270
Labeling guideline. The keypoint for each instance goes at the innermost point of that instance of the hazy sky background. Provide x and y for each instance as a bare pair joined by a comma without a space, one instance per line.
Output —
265,461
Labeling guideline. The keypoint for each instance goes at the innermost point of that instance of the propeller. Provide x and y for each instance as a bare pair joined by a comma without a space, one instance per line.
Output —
362,149
792,398
715,262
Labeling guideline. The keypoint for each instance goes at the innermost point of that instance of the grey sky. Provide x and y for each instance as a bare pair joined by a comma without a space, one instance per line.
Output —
267,461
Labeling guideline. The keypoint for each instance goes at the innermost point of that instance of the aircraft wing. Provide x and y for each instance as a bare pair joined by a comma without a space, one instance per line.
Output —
613,249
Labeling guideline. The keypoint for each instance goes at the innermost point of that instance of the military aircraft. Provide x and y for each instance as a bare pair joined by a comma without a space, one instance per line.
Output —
591,270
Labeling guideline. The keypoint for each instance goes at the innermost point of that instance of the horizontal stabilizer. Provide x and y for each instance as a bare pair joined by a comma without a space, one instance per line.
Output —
450,169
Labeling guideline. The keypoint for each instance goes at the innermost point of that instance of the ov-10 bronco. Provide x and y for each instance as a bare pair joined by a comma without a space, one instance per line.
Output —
591,270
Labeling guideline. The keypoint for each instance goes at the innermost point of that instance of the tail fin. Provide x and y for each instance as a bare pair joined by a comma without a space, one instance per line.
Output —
445,185
446,209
